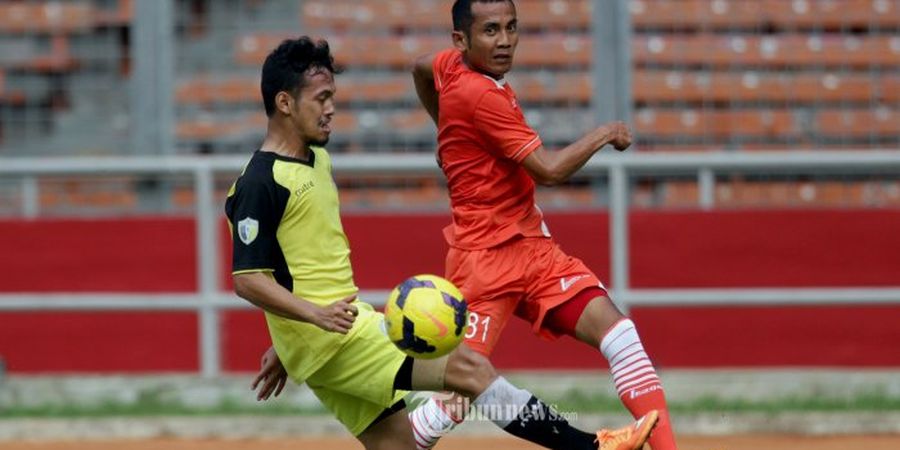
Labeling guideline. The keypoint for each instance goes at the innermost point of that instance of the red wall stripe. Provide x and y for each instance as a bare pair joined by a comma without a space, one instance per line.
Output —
669,249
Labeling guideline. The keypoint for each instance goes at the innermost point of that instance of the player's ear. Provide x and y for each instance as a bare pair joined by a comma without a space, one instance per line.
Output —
460,40
283,102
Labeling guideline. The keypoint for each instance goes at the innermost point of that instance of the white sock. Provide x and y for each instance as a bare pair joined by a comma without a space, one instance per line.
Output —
502,402
430,421
629,365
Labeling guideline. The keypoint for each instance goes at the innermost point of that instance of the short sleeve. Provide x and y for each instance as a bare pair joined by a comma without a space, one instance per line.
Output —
254,216
441,65
503,126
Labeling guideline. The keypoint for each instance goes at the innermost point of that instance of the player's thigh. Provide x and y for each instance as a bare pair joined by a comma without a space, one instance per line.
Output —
487,319
357,384
491,281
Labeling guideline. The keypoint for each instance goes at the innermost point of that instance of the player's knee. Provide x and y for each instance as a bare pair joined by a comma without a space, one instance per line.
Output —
596,319
468,372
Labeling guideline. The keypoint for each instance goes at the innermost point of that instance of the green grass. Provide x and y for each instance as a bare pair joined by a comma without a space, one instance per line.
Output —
572,401
875,401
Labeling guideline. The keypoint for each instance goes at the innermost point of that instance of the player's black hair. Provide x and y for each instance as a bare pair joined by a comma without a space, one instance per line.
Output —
462,13
286,66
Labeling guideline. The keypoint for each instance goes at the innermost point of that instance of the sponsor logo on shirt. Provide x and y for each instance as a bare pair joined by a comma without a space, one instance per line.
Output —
305,187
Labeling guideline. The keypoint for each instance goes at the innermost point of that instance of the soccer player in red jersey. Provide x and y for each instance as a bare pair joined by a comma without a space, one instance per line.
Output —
501,255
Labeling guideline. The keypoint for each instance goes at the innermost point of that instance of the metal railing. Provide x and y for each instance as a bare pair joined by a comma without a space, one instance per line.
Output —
211,299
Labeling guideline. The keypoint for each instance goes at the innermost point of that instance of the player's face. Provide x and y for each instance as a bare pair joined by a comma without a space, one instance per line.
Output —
492,40
314,107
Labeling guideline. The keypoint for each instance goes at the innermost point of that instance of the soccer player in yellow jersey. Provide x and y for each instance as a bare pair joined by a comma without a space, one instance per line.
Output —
292,259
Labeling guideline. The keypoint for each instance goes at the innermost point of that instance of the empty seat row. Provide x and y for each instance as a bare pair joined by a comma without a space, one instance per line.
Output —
371,15
784,194
649,123
367,15
562,50
397,52
649,86
60,17
785,14
777,50
836,123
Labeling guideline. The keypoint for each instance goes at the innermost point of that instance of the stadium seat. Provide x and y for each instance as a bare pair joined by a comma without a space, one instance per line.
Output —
858,123
46,17
758,86
832,14
554,50
749,14
379,15
780,50
121,15
204,90
694,122
696,13
59,59
552,86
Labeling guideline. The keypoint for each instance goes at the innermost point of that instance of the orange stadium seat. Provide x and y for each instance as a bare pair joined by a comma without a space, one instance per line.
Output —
203,90
545,86
369,15
695,13
554,49
767,51
890,89
559,14
783,14
46,17
212,128
858,123
753,86
60,58
416,120
380,89
120,15
700,123
536,49
832,14
349,51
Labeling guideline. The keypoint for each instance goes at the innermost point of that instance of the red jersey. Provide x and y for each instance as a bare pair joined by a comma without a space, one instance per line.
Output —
482,139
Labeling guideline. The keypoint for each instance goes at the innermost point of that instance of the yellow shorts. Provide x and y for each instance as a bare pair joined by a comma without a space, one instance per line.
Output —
357,383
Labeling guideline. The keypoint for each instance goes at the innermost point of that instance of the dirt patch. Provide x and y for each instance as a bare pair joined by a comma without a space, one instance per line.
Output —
753,442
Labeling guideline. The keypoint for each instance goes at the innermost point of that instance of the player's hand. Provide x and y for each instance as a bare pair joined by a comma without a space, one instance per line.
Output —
338,316
620,135
271,374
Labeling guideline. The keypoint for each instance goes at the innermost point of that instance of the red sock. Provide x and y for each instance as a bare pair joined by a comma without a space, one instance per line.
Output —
636,381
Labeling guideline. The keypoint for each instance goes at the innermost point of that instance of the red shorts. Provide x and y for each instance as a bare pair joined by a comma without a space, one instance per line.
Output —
525,277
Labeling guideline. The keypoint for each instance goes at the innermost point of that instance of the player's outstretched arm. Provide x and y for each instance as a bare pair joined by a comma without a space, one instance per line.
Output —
423,77
550,168
264,292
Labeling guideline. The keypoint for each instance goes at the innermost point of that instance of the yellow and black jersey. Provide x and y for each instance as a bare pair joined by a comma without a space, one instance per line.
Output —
284,216
285,219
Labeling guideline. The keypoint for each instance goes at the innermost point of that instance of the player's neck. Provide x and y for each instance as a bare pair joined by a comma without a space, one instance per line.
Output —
284,142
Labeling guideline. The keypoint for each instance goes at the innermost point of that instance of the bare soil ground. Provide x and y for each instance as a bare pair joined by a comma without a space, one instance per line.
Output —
748,442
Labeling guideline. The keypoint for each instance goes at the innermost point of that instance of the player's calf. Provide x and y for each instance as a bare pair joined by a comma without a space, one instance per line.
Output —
515,410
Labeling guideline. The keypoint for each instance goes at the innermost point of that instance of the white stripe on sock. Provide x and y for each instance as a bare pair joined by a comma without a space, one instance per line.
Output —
628,362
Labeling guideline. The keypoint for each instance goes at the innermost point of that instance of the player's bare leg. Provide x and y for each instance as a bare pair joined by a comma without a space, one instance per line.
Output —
391,433
602,326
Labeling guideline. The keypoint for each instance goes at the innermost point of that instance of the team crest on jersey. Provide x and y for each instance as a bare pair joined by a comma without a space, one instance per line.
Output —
248,229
